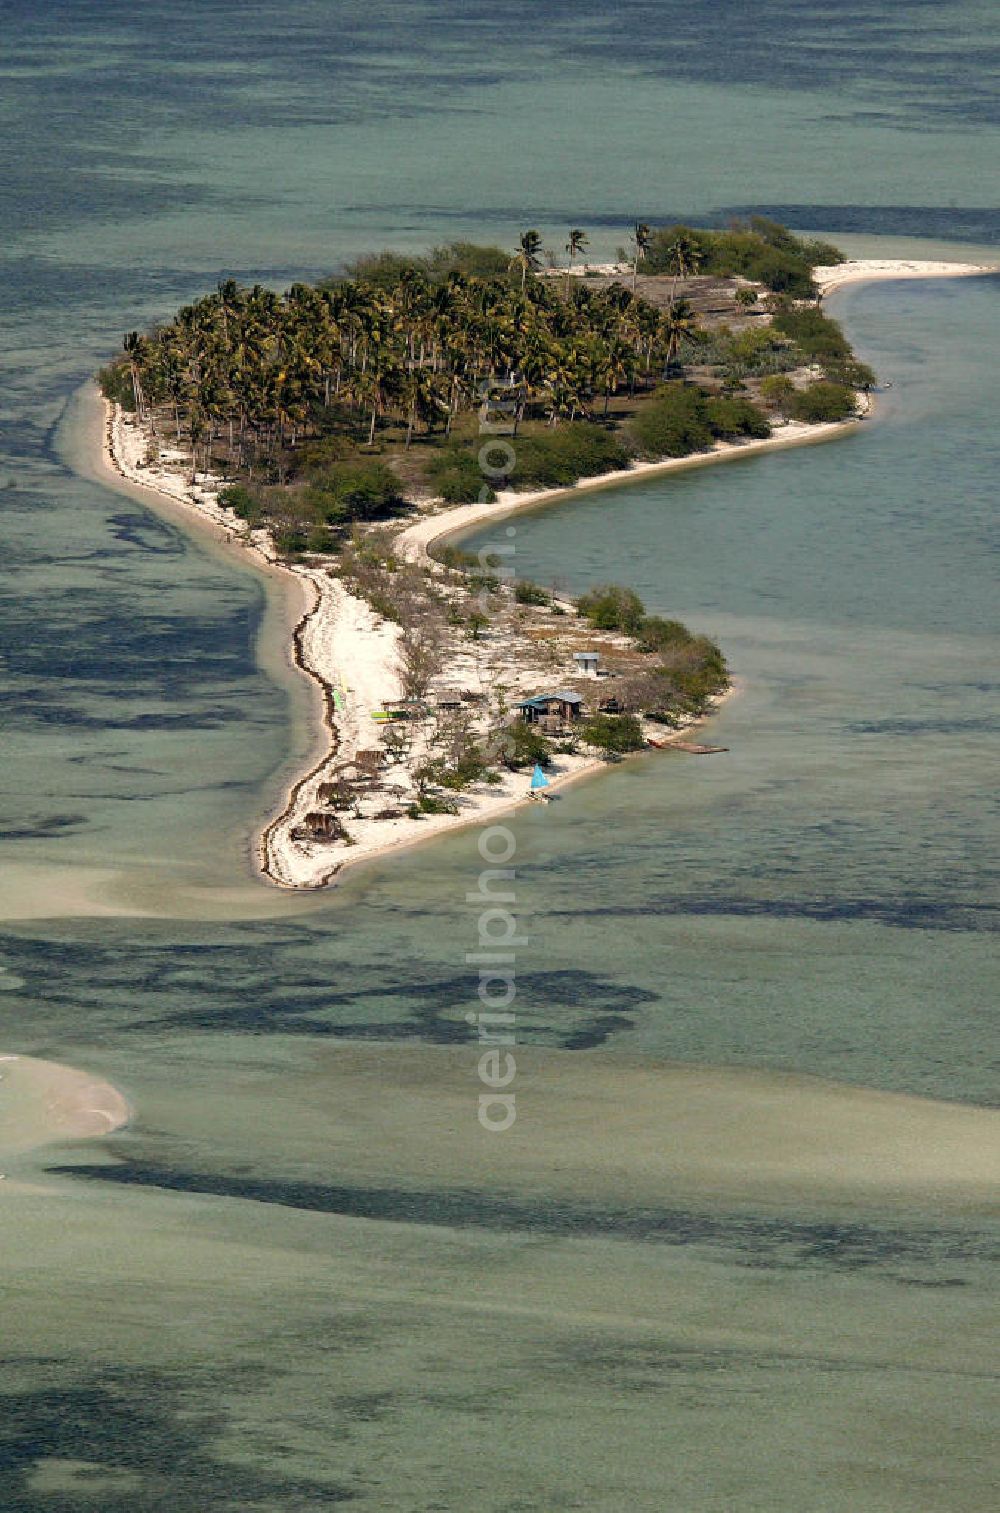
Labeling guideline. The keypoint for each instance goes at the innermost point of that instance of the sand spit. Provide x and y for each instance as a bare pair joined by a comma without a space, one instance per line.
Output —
871,270
44,1103
349,653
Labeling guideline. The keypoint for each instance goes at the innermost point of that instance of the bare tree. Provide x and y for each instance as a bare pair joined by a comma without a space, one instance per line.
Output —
419,658
454,736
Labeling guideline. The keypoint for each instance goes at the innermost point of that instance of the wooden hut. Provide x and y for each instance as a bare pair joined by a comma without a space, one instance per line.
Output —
319,825
370,761
563,704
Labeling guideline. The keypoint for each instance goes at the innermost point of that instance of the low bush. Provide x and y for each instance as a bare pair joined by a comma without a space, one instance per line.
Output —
455,475
759,249
290,540
560,455
691,673
822,401
614,733
611,607
242,501
731,417
818,338
526,592
519,745
777,391
472,259
469,768
674,422
456,558
317,456
346,491
115,383
657,634
427,803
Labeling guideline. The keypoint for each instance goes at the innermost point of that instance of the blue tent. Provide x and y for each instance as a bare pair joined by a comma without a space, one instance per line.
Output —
538,778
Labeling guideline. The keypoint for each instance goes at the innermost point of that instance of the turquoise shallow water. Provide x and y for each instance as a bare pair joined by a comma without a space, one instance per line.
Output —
254,1313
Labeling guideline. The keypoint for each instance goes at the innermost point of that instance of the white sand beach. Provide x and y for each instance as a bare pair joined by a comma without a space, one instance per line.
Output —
872,270
349,653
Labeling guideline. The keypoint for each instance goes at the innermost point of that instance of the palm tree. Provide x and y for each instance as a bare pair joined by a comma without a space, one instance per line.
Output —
576,244
640,242
526,257
613,369
685,255
677,321
133,345
422,399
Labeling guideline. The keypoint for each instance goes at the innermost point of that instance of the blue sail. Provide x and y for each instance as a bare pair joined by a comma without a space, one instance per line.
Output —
538,778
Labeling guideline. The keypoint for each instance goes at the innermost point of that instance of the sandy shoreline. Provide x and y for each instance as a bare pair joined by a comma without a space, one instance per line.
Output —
347,653
44,1103
339,644
875,270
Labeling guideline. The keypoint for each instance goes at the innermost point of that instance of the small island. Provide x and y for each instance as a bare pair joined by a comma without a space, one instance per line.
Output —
340,432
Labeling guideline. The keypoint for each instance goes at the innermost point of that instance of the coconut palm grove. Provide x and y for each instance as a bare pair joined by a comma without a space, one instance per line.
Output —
336,403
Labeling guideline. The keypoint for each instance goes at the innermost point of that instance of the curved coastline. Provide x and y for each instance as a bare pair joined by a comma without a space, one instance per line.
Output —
337,631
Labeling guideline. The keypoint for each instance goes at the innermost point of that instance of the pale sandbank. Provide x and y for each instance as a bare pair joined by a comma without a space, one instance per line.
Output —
45,1103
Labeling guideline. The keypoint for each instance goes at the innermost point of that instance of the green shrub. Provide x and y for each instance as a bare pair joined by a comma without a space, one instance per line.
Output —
115,382
454,474
614,733
611,607
519,745
484,583
428,803
674,423
731,417
242,501
527,592
822,401
656,634
852,372
456,558
759,250
692,672
320,539
461,487
777,391
289,540
354,491
383,605
818,338
469,258
470,768
754,353
317,456
562,454
383,269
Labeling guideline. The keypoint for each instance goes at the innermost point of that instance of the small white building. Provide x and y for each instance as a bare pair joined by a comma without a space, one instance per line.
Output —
587,663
